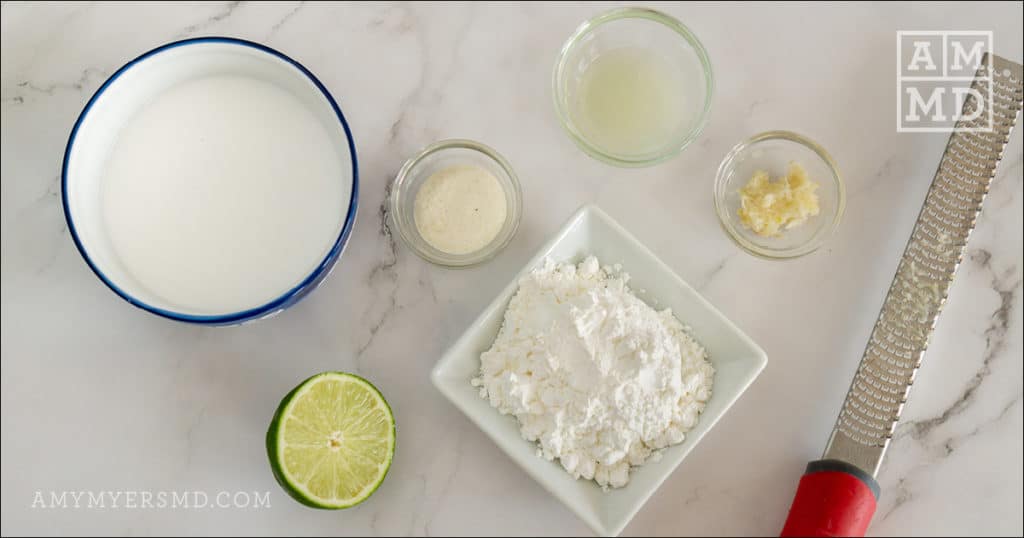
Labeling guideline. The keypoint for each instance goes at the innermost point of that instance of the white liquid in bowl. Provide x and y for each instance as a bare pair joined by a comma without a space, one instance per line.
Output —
223,193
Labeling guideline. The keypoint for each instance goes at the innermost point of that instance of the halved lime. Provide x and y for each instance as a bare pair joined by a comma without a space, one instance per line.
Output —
331,441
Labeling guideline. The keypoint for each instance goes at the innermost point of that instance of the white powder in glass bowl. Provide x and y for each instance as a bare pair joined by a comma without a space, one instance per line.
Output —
460,209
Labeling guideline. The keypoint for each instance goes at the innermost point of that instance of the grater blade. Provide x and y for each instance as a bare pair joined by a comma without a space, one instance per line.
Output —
882,383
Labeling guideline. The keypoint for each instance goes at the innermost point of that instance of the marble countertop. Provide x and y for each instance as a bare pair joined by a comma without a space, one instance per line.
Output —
99,396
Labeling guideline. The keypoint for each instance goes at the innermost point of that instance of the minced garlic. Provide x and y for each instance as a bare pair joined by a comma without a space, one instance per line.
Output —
769,207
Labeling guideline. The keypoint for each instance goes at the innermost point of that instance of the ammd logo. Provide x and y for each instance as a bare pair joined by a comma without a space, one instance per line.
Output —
934,75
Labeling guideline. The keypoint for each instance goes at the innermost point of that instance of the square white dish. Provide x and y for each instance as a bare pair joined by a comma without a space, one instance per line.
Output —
736,358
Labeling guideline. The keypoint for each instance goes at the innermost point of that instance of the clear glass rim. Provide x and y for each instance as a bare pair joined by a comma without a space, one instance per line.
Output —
406,227
669,150
812,244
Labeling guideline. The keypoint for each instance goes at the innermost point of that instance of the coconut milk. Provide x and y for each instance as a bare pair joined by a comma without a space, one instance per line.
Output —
223,193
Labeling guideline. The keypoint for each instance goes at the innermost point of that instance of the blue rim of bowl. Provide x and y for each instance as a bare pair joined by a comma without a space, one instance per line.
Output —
252,313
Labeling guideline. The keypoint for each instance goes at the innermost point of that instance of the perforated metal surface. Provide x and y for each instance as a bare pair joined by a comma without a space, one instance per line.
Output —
918,291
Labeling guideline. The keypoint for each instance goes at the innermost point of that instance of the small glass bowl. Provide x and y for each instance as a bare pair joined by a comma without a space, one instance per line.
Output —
772,152
642,28
436,157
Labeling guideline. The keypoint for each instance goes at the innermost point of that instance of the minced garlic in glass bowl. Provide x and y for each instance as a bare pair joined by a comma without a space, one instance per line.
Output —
790,216
770,207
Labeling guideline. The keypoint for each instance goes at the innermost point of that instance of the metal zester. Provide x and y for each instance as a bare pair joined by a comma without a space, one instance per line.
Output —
837,494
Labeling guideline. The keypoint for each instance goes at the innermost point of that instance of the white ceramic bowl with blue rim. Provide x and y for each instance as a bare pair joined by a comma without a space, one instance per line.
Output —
136,85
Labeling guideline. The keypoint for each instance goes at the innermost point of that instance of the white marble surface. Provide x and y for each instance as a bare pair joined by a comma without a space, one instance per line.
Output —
97,395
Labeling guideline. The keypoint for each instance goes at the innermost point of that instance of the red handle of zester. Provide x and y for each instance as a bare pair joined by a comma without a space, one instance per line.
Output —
834,498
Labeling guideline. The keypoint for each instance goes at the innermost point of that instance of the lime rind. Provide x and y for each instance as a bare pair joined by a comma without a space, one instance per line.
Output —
276,445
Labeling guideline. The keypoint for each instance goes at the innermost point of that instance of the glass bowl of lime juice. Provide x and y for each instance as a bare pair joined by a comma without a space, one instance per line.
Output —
633,86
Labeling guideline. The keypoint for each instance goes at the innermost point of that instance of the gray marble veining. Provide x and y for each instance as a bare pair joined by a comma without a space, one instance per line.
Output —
97,395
